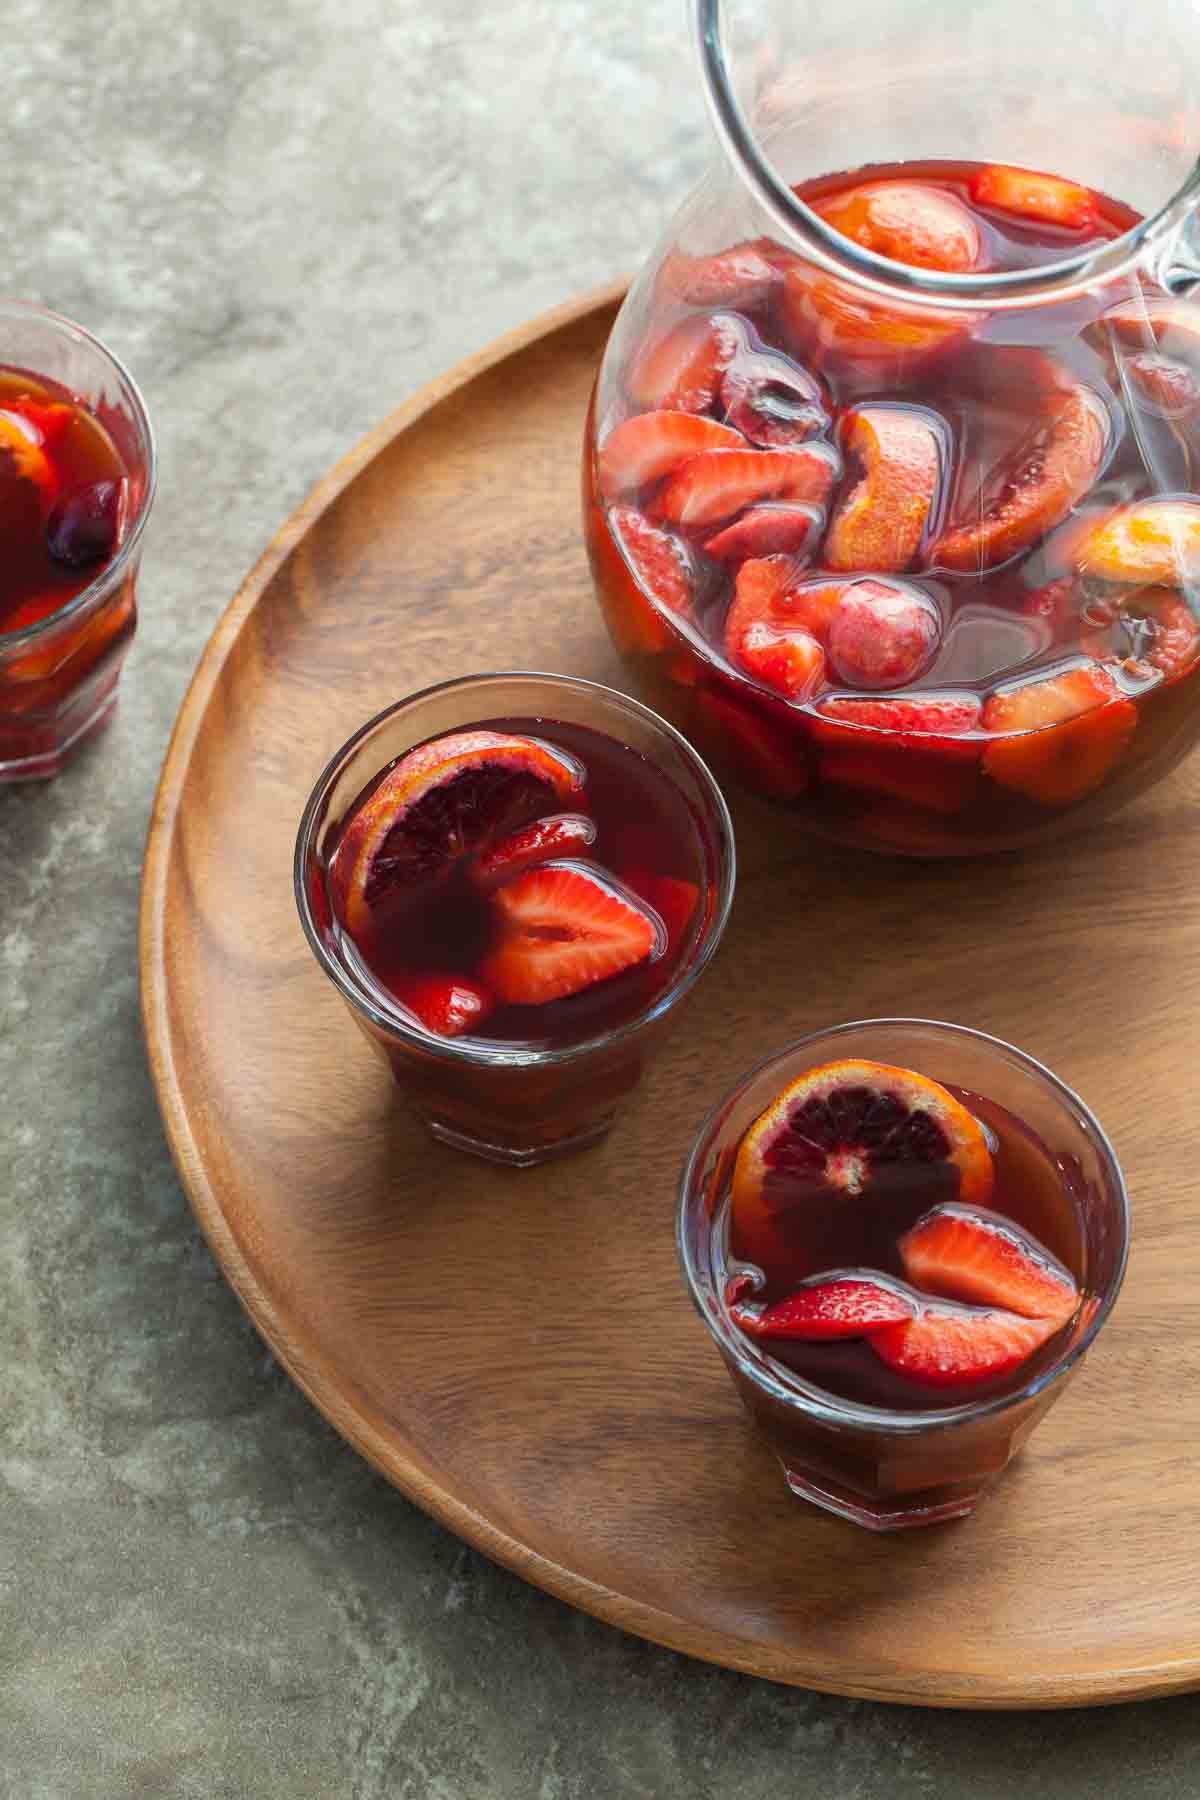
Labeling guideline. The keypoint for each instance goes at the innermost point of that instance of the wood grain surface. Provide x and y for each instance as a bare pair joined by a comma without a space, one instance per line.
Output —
515,1350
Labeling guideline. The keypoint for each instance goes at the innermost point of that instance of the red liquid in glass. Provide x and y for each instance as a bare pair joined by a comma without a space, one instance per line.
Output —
1033,1190
985,388
648,842
64,505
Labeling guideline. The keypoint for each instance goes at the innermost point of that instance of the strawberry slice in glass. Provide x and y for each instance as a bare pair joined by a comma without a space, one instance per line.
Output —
563,927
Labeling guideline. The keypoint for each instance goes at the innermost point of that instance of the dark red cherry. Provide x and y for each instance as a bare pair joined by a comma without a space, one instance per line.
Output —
84,523
772,400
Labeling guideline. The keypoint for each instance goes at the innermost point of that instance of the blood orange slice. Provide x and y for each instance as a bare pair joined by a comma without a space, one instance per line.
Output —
832,1135
1047,474
898,454
452,797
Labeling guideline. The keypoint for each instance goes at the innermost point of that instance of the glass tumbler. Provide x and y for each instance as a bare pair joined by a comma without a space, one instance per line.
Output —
58,676
509,1102
879,1467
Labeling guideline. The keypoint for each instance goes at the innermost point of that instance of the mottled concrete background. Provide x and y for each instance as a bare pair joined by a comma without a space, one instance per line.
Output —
286,218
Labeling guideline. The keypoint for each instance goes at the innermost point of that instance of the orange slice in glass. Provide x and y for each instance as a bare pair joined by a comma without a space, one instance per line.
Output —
453,797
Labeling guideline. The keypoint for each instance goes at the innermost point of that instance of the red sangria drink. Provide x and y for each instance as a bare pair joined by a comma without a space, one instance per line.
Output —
893,503
900,1268
512,900
76,483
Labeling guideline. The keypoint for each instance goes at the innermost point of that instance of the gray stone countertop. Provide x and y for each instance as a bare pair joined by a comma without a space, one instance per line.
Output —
286,219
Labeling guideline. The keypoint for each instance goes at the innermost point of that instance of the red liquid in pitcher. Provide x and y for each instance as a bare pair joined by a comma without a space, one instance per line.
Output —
526,881
918,1245
911,572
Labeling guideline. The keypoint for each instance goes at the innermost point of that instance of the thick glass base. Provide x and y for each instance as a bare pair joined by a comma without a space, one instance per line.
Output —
517,1154
885,1513
41,764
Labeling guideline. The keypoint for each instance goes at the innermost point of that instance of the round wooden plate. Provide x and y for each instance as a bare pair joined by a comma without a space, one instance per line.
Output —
515,1350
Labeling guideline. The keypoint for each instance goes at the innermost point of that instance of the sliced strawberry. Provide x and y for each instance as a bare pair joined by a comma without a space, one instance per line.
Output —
1046,198
562,834
956,1346
766,758
446,1004
965,1253
661,564
1055,740
682,370
720,482
769,628
838,1306
644,449
916,751
735,277
640,571
673,900
935,722
767,530
775,590
779,591
562,928
789,662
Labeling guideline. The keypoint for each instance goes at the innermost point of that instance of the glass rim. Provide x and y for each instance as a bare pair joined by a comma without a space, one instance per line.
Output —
497,1054
112,574
880,275
830,1409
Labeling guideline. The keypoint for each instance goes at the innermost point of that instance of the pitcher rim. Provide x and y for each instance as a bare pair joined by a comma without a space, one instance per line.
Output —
805,230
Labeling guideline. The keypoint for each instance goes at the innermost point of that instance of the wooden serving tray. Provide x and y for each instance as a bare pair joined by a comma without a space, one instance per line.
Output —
515,1350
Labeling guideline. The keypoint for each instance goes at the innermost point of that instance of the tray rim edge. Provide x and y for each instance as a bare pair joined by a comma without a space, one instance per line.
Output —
360,1428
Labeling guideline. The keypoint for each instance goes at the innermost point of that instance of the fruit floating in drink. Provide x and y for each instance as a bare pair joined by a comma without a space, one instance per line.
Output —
898,1268
516,903
76,480
927,577
908,1245
527,881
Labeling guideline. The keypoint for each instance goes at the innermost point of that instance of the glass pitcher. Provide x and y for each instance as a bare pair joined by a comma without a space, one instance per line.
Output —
891,469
